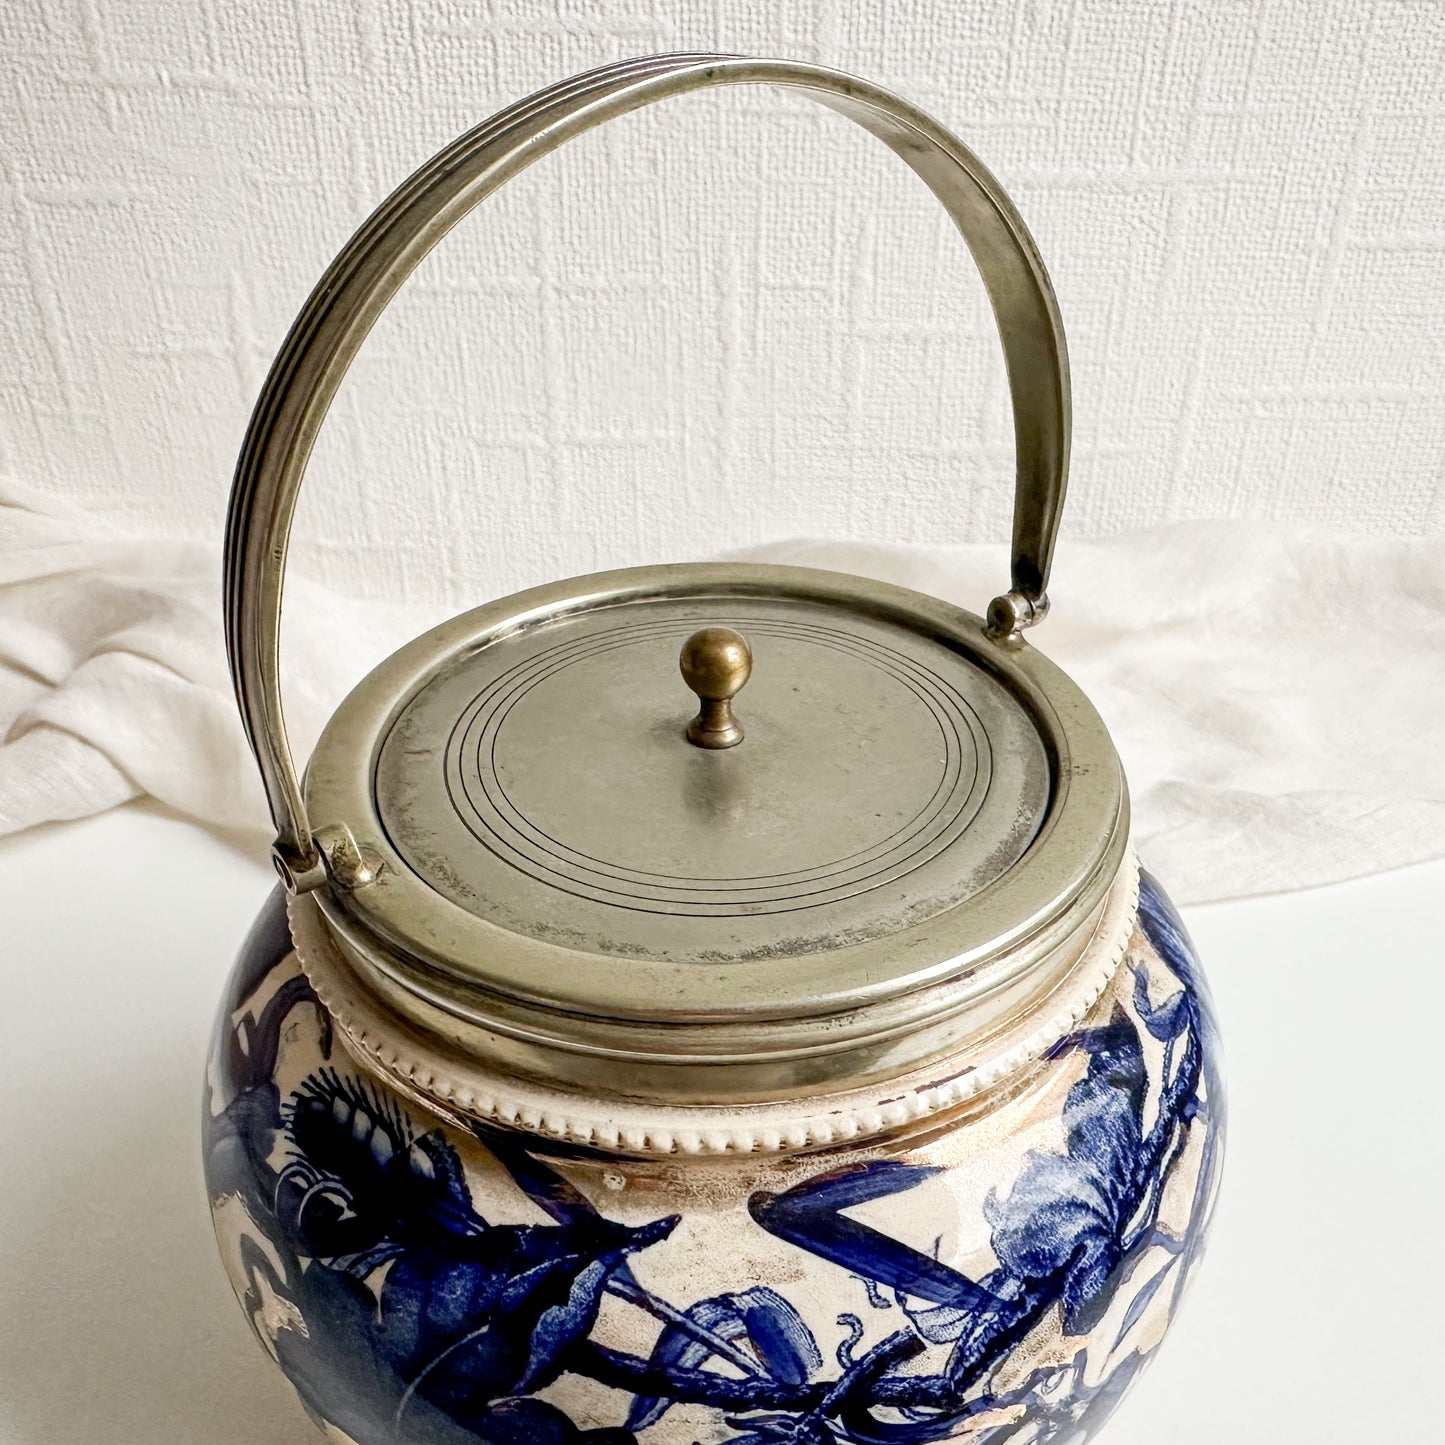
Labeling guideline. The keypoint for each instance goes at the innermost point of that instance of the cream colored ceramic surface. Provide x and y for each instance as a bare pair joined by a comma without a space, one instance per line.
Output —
1008,1269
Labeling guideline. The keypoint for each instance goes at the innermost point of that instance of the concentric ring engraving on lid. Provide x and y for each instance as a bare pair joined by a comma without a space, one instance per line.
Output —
915,831
484,754
548,784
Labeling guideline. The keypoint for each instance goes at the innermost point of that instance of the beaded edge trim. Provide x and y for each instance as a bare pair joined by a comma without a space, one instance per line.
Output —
702,1130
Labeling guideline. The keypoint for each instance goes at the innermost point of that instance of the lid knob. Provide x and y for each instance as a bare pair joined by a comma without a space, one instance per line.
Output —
716,664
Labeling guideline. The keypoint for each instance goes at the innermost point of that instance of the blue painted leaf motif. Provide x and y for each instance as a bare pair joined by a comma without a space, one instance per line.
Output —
810,1216
1065,1217
497,1315
548,1190
783,1342
1165,930
1169,1019
561,1324
759,1317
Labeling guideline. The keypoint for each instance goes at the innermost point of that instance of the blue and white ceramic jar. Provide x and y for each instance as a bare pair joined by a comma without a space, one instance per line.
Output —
788,1051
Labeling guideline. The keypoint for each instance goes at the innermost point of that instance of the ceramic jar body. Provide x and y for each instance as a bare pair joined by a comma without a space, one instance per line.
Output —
1002,1274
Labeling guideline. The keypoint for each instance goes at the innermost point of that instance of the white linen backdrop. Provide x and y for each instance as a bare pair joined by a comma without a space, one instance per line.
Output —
1277,693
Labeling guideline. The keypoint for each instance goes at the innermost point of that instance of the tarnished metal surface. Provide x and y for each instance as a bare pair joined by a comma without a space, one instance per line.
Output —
574,930
547,783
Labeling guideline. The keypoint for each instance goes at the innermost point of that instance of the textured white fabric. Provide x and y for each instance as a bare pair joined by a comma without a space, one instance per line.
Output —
736,296
1277,695
113,679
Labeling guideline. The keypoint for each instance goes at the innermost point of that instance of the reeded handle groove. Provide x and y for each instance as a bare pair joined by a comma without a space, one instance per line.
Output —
379,257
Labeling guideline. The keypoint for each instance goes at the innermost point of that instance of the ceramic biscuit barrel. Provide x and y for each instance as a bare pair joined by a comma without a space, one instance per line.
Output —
703,1003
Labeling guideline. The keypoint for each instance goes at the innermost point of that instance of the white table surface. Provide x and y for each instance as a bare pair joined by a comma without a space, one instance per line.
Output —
1316,1317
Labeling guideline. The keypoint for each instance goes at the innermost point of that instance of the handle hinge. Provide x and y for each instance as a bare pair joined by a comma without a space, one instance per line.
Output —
335,857
1011,613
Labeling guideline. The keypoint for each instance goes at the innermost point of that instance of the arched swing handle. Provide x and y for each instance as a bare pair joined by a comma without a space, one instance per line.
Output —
383,253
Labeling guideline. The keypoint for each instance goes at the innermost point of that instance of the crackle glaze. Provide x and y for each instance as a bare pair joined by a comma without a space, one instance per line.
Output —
1001,1272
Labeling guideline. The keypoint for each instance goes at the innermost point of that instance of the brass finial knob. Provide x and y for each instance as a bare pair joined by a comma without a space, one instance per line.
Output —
716,664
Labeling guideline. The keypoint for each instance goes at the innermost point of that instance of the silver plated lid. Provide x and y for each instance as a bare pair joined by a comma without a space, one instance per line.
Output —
705,832
546,783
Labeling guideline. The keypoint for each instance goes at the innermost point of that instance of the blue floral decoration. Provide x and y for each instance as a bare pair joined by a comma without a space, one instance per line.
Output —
420,1320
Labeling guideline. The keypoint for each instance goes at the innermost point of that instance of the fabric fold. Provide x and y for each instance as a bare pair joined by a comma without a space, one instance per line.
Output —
1277,694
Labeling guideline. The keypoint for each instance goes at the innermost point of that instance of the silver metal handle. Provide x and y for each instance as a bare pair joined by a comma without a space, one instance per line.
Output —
382,254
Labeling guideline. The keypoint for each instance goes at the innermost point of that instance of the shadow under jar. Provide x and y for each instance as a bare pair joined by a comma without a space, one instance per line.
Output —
703,1003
